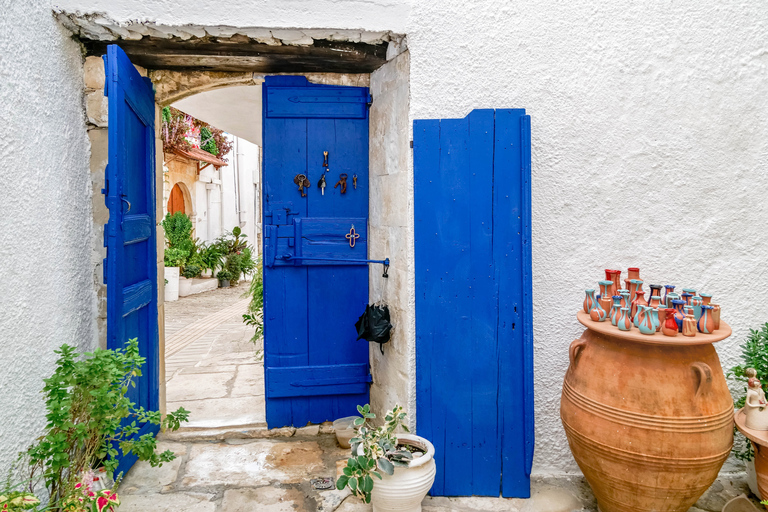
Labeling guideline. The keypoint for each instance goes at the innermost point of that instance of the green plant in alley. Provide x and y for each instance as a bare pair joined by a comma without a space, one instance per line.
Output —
380,451
224,275
178,231
754,353
255,315
90,415
207,143
175,257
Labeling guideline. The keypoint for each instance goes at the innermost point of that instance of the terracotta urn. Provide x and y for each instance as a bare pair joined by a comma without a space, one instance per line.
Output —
649,419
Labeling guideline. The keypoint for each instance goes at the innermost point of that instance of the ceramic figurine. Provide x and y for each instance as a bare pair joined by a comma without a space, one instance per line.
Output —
661,311
615,309
706,324
633,273
639,301
589,301
679,315
755,411
689,325
625,302
668,288
644,321
687,298
706,298
655,292
625,322
669,327
716,315
634,286
605,295
616,278
598,314
696,304
670,297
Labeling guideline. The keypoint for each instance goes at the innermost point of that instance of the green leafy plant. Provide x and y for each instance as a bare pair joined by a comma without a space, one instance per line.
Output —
224,275
191,271
380,451
211,257
175,257
254,316
754,354
15,501
176,125
207,143
89,416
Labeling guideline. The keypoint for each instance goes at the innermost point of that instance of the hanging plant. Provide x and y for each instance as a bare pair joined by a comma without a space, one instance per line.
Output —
178,127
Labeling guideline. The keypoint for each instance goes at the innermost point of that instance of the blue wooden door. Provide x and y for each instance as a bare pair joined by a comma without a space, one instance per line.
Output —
315,368
473,301
130,268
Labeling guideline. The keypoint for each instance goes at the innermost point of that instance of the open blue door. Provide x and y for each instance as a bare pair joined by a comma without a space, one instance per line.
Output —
315,250
474,337
130,268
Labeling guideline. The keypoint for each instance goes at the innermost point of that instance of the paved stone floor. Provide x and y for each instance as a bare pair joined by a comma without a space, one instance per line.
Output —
213,369
227,460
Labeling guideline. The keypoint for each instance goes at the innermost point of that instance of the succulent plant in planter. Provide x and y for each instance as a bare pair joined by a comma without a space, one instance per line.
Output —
402,465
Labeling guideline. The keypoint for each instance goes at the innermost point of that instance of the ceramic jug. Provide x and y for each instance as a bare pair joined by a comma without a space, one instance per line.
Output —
706,323
615,309
589,301
669,327
625,322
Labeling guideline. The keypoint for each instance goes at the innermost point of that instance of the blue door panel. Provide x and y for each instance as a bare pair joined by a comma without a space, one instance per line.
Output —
131,264
316,370
473,343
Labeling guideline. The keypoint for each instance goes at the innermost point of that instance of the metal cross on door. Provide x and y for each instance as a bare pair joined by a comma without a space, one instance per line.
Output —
315,250
130,268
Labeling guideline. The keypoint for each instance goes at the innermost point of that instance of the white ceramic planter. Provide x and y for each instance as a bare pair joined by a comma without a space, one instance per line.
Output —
406,488
172,284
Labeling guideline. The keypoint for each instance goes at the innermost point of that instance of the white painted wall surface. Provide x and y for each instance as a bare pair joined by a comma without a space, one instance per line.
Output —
650,137
237,188
48,296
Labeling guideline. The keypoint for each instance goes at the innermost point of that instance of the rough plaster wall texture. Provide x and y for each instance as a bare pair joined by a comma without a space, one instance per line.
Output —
650,137
391,234
370,15
45,214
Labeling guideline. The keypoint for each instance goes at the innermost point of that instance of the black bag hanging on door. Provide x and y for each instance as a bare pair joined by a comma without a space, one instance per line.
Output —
373,325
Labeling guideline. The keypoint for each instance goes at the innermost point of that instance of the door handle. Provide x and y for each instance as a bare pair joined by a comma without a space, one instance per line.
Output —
123,199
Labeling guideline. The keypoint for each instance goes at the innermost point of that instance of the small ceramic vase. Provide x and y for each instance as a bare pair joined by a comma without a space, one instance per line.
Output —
625,302
625,322
605,295
696,304
706,298
670,297
589,301
639,301
706,325
633,273
644,320
616,277
598,314
634,286
679,315
669,327
661,313
668,288
689,290
655,292
687,298
716,315
689,325
615,310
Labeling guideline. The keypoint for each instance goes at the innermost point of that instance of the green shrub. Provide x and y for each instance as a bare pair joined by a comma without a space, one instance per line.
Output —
175,257
224,275
178,231
254,317
89,413
192,271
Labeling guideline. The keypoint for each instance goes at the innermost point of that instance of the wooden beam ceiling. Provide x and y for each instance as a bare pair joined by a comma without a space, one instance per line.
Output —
241,53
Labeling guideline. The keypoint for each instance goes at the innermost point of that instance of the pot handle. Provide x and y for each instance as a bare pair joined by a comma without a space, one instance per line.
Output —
704,373
575,349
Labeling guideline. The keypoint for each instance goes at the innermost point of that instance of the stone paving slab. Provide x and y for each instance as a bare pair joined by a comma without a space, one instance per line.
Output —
229,412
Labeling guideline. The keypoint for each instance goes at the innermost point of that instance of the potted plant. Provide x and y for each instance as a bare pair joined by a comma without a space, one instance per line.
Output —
754,352
174,260
402,464
224,277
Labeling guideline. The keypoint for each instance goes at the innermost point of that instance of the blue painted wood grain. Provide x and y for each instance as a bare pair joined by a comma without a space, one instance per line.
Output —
473,336
310,307
130,237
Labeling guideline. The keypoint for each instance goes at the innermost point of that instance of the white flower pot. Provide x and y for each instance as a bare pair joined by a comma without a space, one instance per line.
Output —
406,488
172,284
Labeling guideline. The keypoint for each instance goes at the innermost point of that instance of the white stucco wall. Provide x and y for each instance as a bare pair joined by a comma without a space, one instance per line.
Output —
237,202
45,214
650,133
